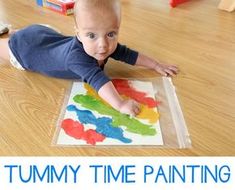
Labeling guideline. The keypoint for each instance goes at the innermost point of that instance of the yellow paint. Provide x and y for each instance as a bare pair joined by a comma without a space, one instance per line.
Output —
147,113
93,93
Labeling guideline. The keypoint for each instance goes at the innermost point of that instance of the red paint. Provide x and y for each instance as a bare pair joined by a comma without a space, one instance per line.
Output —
76,130
124,88
174,3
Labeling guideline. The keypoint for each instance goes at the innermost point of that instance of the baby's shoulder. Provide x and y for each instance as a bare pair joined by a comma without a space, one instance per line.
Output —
37,30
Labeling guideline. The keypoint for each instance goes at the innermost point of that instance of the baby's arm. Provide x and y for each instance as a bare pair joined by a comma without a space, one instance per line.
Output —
4,53
110,95
150,63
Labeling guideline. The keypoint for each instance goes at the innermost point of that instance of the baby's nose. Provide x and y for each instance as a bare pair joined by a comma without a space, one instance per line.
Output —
103,43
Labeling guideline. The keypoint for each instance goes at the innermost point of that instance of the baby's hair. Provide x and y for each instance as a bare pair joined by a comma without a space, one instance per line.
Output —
113,5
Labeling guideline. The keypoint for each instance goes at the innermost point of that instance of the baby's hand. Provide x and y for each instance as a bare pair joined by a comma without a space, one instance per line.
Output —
163,69
166,70
130,107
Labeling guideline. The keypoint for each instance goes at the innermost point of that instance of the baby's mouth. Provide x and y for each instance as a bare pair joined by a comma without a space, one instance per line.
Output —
102,53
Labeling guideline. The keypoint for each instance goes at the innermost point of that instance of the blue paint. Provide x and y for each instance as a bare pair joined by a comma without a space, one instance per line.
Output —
103,124
39,2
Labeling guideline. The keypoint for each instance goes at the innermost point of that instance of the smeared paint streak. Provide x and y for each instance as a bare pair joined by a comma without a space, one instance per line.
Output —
146,113
124,88
76,130
103,124
149,114
132,124
93,93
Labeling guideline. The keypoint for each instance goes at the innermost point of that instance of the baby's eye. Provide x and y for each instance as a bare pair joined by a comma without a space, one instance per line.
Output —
91,35
111,34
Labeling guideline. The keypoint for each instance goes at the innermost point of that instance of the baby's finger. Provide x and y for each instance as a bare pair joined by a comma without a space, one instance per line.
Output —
136,107
136,110
132,113
161,71
174,69
172,66
169,72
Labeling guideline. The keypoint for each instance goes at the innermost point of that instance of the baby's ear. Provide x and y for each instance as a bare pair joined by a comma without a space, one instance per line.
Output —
76,29
77,32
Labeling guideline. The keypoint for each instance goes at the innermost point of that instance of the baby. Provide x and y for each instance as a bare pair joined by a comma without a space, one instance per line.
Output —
41,49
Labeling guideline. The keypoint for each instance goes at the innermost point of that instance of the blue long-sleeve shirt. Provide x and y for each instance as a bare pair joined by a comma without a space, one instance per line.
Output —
40,49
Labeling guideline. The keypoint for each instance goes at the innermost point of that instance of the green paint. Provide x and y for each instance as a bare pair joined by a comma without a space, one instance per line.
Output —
132,124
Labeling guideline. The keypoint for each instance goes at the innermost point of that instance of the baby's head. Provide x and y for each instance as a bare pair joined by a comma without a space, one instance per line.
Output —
97,25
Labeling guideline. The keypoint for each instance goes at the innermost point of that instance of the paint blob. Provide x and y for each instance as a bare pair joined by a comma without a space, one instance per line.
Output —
103,124
124,88
76,130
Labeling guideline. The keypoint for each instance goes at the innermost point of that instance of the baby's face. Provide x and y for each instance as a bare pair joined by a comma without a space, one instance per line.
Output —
98,32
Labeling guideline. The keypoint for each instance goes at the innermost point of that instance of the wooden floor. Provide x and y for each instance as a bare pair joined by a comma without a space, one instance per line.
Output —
196,36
